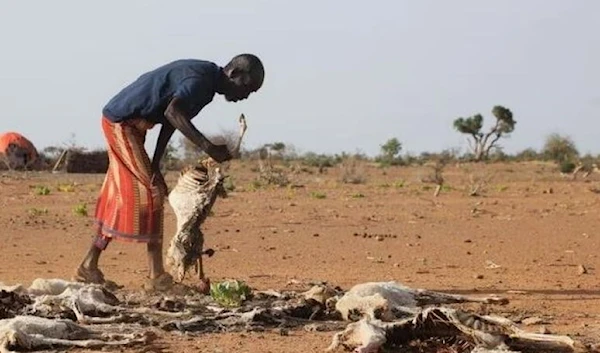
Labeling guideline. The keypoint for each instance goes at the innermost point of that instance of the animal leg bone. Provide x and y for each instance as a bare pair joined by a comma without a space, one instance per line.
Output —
199,269
426,297
42,341
243,128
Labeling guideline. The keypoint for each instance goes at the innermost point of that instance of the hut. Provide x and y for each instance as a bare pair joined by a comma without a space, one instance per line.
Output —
16,151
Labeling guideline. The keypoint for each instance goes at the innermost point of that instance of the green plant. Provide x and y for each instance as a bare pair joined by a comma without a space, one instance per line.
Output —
399,184
81,210
255,185
230,293
41,190
527,155
66,188
502,188
567,167
228,184
37,211
390,153
321,161
559,149
357,195
446,188
318,195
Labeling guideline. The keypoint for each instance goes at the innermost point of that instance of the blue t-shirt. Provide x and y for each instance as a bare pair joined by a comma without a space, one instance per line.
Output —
192,81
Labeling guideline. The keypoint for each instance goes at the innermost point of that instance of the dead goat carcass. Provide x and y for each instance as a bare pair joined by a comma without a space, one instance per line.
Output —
87,303
32,332
191,200
450,328
388,301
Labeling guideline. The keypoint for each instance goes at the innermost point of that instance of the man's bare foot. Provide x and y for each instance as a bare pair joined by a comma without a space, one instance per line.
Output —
161,283
88,275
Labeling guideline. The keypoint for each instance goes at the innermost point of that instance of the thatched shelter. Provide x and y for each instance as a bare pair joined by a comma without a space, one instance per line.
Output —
78,161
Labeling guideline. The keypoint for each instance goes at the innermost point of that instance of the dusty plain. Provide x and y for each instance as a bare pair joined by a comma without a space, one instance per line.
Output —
532,236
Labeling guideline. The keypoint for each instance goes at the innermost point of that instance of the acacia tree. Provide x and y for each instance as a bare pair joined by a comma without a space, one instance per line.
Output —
482,143
390,152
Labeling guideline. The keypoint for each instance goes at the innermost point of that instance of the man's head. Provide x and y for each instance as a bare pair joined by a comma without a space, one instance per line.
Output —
243,75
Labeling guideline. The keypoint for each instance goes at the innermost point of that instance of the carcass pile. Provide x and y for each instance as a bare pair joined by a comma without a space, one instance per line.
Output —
370,317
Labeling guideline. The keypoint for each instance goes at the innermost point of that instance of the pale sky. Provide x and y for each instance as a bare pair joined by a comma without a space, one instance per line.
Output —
340,75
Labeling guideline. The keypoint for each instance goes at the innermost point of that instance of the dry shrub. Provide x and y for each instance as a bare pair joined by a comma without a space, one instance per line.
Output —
352,172
479,183
269,174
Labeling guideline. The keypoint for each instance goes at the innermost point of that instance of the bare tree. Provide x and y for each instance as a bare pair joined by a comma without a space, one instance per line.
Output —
482,143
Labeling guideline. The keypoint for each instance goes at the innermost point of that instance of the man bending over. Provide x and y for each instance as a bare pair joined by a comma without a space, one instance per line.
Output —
131,202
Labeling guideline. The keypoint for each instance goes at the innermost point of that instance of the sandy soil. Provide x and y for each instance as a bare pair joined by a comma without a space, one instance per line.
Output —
526,237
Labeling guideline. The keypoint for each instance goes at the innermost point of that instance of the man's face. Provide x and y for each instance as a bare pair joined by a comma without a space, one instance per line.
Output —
237,94
240,88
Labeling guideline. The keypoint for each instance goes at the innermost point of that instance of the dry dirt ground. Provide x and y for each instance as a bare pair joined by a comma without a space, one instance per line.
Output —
528,237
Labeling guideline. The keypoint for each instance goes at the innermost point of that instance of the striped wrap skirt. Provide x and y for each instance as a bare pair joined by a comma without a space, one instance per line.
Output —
129,207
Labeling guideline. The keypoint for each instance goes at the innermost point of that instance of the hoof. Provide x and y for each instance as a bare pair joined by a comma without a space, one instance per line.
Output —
204,286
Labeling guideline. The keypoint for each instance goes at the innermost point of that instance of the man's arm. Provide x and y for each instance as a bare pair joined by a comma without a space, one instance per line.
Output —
161,144
179,120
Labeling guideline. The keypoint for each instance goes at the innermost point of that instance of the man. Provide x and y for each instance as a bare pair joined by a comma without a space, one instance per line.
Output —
130,205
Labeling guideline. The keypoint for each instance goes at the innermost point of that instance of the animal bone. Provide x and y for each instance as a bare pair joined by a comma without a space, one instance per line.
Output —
81,298
85,300
31,332
388,300
243,128
191,199
484,332
319,293
363,336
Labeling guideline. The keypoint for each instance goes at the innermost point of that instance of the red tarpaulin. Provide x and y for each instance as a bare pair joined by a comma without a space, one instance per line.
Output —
18,150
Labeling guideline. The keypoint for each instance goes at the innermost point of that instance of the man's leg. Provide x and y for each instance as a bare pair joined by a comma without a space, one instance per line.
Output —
88,270
155,260
159,278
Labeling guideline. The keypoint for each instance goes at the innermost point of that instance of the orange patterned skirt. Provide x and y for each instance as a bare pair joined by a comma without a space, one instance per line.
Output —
129,208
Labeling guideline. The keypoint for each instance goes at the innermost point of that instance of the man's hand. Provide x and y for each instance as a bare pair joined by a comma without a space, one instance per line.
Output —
220,153
158,181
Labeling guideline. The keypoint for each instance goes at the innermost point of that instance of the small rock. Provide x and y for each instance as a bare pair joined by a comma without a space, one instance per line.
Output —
41,262
316,235
478,276
581,270
468,241
534,320
396,265
283,332
379,238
